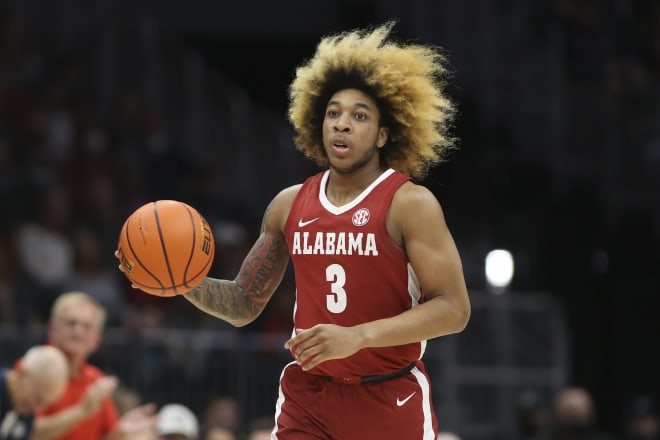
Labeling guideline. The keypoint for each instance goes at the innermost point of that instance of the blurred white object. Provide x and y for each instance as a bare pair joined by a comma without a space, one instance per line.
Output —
175,418
499,269
447,436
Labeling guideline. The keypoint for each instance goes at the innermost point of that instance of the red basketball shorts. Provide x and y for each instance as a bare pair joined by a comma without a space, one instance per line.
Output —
313,407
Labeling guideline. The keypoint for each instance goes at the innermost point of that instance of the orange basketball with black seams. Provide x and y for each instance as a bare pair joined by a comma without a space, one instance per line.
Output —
166,248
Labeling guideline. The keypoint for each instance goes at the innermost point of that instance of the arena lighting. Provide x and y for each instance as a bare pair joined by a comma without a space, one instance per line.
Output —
499,269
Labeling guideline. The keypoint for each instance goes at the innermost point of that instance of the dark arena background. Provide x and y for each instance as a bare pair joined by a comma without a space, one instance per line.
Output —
108,104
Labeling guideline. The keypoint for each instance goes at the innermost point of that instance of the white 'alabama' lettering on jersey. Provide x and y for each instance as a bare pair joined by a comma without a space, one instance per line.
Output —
334,243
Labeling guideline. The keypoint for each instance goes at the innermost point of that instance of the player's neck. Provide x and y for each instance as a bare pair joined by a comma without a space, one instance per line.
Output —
342,188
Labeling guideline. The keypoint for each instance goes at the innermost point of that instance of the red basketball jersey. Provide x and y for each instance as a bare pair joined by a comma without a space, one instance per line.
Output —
349,271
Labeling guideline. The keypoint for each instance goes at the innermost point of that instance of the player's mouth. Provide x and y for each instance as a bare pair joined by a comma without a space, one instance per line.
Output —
339,145
339,149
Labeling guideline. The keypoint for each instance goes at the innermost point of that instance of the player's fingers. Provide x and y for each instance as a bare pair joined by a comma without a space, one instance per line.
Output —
311,362
310,341
309,355
121,268
301,335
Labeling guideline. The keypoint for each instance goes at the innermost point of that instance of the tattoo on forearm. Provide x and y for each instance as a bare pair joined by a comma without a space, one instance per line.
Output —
259,276
264,221
261,270
221,298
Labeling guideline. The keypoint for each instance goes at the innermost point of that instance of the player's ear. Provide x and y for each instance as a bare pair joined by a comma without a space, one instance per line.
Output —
383,135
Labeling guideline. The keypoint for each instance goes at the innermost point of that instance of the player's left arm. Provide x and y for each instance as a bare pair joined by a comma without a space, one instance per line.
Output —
416,221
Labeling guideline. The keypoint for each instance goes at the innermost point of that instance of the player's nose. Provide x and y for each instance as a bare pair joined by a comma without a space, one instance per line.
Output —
342,124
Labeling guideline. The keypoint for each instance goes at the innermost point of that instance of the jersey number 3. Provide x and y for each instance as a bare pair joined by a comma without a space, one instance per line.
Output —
336,300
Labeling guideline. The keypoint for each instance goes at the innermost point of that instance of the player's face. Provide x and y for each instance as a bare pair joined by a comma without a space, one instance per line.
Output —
77,331
351,131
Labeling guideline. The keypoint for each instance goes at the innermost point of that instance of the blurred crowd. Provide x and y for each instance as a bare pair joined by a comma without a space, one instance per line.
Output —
70,176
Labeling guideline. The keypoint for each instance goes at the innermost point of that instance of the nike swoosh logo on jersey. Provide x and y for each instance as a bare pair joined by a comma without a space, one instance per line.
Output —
302,224
400,402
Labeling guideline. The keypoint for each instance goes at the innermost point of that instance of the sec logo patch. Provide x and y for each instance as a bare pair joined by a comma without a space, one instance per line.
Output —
361,217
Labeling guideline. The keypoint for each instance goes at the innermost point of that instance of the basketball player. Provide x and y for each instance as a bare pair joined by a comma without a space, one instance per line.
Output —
377,271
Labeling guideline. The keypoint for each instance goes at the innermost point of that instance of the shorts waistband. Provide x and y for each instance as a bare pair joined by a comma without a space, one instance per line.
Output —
372,379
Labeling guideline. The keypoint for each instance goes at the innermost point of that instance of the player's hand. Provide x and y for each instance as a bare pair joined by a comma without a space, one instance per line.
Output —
96,392
121,268
322,343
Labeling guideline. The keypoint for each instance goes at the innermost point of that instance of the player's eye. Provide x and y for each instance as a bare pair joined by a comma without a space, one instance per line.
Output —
361,116
332,113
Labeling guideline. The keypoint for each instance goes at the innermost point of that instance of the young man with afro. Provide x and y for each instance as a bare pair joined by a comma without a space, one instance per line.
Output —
377,271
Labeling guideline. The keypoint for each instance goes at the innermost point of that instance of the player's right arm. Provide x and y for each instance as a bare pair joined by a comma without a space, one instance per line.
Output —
241,300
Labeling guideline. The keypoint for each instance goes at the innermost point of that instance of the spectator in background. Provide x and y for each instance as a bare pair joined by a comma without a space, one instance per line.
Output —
443,435
222,411
176,422
8,310
40,379
86,411
573,417
101,210
642,421
45,251
219,433
7,297
533,413
260,428
11,181
93,275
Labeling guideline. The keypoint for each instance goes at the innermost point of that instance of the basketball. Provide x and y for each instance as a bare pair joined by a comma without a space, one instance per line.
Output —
166,248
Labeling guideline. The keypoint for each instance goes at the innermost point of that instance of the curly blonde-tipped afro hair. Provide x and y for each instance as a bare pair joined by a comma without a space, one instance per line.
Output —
406,81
